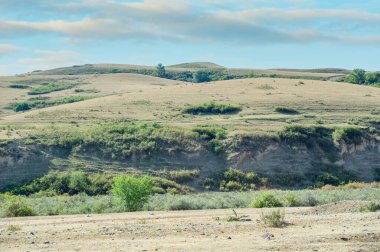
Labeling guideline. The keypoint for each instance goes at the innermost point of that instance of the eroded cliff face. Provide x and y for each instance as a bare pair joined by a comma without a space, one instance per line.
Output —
290,164
20,163
286,164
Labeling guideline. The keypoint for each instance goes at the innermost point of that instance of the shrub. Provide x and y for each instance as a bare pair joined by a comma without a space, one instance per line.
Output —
18,208
349,135
19,86
327,179
184,204
286,110
291,201
370,207
212,108
274,219
201,76
266,200
22,106
133,192
209,133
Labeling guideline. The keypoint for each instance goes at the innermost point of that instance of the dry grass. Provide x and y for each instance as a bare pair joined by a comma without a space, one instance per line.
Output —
324,102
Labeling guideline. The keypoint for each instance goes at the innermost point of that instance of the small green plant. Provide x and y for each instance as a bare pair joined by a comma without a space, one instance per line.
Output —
286,110
370,207
133,192
235,217
266,200
274,219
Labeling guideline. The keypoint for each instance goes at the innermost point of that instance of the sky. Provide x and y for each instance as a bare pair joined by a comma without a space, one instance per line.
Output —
45,34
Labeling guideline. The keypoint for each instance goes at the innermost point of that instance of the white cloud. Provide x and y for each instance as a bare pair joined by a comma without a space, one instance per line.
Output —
51,59
8,49
184,20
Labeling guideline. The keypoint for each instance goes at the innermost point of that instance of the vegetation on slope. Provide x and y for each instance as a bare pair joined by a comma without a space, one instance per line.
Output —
212,108
49,88
18,86
361,77
42,102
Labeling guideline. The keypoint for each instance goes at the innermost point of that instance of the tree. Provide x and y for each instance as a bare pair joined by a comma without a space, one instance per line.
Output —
160,71
357,76
372,78
133,192
21,106
201,76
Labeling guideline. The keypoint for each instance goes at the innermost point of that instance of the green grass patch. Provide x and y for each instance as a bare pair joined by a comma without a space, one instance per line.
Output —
49,88
212,108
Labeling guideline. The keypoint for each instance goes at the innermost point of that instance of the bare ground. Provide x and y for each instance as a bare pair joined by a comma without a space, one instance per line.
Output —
206,230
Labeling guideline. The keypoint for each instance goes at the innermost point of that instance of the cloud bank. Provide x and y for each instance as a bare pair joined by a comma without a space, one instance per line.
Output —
190,21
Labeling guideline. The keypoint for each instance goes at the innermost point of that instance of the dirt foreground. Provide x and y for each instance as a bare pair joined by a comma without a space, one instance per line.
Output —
308,229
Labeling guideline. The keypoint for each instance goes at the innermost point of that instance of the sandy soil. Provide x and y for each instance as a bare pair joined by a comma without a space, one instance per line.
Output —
307,230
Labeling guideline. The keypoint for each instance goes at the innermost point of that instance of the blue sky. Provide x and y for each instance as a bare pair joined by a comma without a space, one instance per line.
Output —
43,34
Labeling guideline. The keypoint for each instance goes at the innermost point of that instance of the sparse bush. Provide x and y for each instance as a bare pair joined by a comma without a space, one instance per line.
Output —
132,191
286,110
184,204
370,207
18,208
308,199
291,200
266,201
274,219
236,180
212,108
13,228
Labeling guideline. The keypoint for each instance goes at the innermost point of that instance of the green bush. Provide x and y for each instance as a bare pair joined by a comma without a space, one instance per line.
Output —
212,108
22,106
209,133
133,192
286,110
201,76
349,135
327,179
291,200
266,200
19,86
18,208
